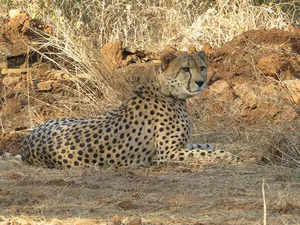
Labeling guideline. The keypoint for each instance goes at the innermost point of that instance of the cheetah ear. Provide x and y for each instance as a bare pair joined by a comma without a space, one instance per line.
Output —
202,55
166,58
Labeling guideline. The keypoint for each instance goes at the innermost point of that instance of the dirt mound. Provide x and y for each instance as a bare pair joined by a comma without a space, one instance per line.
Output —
255,78
255,53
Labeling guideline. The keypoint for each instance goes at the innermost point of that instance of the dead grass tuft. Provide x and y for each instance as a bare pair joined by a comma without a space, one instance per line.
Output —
227,19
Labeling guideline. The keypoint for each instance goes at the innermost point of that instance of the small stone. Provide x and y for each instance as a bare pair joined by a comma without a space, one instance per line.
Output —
116,220
45,85
15,12
135,221
10,80
293,87
127,205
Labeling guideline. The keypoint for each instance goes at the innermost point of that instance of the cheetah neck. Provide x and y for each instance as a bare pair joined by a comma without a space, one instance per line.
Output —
152,90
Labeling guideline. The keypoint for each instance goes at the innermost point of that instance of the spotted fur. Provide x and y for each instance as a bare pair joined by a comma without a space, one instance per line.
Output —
151,126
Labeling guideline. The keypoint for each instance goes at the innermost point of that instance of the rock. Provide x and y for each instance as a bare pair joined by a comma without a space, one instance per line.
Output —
135,221
222,90
293,87
11,80
15,12
45,85
207,48
192,49
117,220
127,205
111,54
270,65
246,94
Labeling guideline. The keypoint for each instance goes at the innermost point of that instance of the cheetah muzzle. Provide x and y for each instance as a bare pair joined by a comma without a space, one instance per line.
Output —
151,126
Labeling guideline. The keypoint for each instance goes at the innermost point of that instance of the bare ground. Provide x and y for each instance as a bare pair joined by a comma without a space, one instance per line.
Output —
168,194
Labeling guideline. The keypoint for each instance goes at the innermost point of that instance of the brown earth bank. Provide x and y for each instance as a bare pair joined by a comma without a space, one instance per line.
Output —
251,108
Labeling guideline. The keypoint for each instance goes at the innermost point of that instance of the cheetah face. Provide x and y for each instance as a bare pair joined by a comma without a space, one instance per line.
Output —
183,75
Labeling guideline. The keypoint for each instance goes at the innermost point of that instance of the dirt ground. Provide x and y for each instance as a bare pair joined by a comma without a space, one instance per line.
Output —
251,108
159,195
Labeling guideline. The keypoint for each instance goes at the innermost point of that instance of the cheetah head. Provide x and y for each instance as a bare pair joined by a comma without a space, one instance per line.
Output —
183,75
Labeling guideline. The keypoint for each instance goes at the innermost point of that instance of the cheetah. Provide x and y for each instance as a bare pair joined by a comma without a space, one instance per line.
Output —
151,126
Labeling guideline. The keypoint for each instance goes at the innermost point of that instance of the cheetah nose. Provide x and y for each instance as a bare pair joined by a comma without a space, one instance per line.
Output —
199,83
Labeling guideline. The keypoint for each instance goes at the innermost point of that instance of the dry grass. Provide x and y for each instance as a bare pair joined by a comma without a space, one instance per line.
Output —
227,19
81,27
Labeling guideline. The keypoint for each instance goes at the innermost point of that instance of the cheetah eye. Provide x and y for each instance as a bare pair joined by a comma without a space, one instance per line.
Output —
186,69
202,68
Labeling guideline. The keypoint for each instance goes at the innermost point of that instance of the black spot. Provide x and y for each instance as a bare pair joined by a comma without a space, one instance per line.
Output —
80,152
76,163
108,155
86,160
108,129
152,112
70,156
106,137
65,161
161,129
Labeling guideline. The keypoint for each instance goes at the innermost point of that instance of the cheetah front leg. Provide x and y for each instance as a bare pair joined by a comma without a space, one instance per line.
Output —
191,146
194,153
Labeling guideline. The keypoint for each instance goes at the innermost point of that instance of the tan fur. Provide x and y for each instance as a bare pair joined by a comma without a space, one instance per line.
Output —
152,125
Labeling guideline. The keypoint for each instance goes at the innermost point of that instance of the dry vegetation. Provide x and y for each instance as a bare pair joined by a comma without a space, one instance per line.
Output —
78,30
